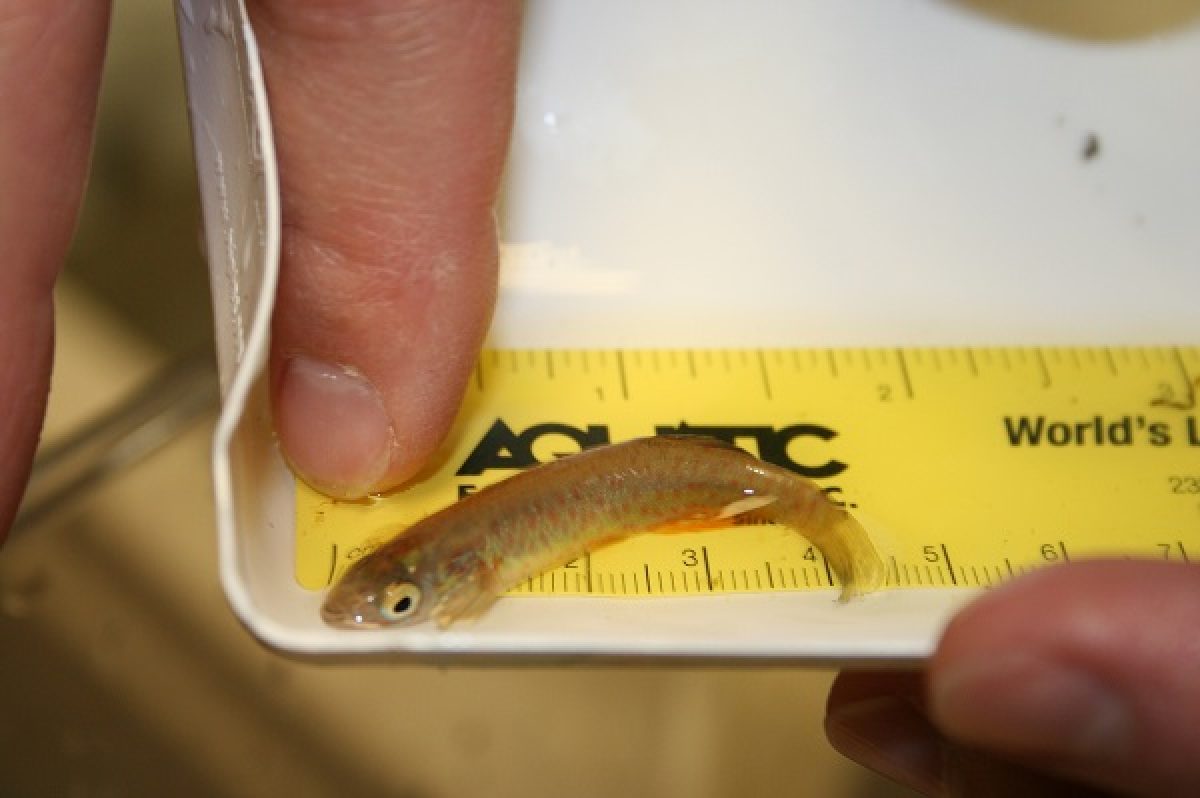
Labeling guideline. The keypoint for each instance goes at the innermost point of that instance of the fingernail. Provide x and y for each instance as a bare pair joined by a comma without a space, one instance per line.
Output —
333,427
1028,705
891,736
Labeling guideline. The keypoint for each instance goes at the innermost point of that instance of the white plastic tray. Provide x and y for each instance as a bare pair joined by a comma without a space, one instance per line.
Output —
817,173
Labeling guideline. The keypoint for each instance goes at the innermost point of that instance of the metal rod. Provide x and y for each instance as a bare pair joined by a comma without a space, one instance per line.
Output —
151,417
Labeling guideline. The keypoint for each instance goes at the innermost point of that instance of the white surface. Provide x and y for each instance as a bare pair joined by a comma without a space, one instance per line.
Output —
827,172
807,173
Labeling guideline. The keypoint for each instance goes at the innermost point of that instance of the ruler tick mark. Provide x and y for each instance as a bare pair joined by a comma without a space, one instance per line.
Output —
762,367
333,564
1188,402
621,373
971,364
949,565
707,570
770,578
1045,370
908,389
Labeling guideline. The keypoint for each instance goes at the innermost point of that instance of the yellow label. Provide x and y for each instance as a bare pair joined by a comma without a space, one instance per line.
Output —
966,465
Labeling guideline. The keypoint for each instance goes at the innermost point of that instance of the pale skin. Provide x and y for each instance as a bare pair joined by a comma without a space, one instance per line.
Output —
392,118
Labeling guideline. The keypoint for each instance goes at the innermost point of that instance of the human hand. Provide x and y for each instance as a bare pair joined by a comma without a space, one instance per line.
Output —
391,122
1080,679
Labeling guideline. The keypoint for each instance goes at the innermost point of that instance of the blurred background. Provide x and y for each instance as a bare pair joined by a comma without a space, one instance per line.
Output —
124,672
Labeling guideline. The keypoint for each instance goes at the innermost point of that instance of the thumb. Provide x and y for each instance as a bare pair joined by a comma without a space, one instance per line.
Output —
1089,670
392,122
50,59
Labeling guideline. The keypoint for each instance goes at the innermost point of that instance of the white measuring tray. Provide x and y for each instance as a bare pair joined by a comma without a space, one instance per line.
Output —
819,173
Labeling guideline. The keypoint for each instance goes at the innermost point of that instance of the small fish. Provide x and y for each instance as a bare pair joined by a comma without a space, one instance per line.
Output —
457,562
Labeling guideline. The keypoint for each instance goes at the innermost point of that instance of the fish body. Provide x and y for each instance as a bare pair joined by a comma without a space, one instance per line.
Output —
458,561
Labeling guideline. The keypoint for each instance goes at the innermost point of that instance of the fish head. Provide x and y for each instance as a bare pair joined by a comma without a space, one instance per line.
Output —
396,586
385,588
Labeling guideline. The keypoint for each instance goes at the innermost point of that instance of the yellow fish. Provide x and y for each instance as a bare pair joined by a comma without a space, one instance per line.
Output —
458,561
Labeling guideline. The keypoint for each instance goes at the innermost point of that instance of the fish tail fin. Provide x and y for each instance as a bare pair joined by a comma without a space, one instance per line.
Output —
841,539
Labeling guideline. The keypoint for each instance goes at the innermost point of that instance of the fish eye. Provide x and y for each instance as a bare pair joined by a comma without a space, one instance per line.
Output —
399,601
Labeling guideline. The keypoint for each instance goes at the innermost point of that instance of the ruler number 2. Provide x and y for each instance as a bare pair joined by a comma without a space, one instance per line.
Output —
885,392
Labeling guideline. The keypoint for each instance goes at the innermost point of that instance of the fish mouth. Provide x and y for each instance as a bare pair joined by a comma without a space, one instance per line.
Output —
342,614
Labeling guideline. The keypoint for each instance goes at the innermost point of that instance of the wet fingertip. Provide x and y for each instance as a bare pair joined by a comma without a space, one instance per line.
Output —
891,736
333,427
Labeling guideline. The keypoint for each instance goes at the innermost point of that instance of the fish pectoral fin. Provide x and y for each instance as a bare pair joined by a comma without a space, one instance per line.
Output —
745,506
738,511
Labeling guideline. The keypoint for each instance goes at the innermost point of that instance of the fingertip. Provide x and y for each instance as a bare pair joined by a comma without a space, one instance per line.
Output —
388,274
1082,669
891,736
333,427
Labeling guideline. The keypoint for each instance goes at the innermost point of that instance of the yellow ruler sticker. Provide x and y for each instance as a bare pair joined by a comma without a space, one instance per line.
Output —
966,465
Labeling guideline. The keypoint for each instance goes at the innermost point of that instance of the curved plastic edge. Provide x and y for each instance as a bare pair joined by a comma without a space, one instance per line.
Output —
220,30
